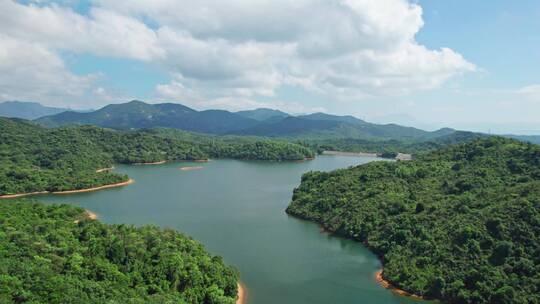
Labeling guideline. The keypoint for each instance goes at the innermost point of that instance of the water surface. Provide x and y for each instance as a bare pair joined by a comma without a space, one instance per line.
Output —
236,209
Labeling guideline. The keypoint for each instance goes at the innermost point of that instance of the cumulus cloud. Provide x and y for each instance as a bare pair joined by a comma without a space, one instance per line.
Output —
177,90
241,49
102,32
345,49
32,72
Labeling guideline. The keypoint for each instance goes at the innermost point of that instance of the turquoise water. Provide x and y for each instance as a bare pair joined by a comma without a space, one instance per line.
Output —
236,209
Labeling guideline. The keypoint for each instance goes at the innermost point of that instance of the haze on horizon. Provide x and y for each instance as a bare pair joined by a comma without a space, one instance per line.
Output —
428,64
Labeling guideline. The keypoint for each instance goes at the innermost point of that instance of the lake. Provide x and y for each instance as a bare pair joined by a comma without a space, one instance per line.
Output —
237,210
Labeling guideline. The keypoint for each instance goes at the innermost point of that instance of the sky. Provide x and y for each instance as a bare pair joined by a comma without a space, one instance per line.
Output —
464,64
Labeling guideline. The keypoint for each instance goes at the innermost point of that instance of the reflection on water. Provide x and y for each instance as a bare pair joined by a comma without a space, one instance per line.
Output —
236,209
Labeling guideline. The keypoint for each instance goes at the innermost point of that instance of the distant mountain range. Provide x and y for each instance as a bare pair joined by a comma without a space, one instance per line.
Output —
138,115
259,122
535,139
264,114
27,110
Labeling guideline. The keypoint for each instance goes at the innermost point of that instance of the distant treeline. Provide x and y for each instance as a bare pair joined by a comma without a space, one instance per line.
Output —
389,147
34,158
239,147
53,254
461,224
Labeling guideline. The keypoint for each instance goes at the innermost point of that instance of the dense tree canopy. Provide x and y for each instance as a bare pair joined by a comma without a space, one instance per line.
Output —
460,224
54,254
38,159
392,146
240,147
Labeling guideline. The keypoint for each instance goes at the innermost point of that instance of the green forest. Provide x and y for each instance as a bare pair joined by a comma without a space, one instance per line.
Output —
389,146
54,254
37,159
461,224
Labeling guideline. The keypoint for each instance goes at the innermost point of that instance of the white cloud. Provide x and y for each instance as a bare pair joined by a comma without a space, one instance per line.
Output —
103,32
344,49
177,91
241,103
30,71
241,49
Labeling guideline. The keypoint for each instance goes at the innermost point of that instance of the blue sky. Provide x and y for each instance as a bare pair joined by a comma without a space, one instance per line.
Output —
464,64
500,36
502,39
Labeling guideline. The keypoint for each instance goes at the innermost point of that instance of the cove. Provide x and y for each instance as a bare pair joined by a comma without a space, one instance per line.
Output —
236,209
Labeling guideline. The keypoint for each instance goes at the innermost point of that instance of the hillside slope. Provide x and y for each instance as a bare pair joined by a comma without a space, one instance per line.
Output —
260,122
54,254
138,115
36,159
393,146
460,224
263,114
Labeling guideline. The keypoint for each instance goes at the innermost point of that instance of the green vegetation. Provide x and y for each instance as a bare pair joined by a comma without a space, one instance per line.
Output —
392,146
260,122
319,126
460,224
139,115
53,254
38,159
263,114
35,159
240,147
535,139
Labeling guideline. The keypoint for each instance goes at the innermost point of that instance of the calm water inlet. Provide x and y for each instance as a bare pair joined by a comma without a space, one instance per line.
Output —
236,209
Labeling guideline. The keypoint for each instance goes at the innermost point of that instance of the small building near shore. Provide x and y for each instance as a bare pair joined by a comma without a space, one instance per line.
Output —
403,156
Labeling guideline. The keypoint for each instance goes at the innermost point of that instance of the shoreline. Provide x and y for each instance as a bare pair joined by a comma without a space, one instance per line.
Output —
8,196
161,162
242,294
91,215
399,156
305,159
378,276
388,285
340,153
152,163
121,184
88,215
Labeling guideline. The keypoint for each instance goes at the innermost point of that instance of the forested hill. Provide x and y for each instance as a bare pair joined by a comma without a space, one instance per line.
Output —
392,146
260,122
535,139
53,254
38,159
137,115
460,224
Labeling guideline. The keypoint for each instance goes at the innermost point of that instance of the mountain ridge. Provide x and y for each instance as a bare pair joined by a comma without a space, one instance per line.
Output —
259,122
263,114
27,109
138,115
